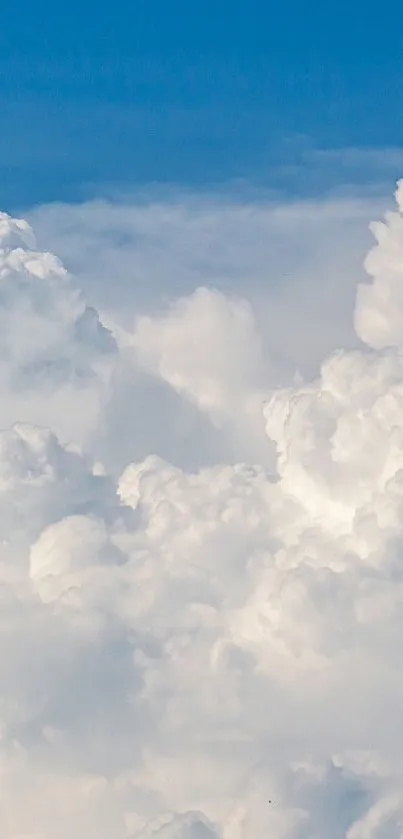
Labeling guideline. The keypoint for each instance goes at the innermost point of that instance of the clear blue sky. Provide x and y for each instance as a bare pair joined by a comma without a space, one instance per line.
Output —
116,94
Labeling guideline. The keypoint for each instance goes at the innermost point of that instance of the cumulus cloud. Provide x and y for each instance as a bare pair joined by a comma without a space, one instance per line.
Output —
207,653
378,314
206,347
291,268
54,352
296,263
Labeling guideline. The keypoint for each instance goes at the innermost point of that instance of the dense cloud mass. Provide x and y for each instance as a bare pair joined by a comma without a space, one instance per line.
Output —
206,654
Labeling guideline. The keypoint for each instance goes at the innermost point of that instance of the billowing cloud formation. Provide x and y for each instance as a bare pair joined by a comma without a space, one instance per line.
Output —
378,316
297,263
54,354
211,654
206,348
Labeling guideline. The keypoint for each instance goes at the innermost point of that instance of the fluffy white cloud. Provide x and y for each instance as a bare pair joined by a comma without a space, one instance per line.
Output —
55,356
293,266
297,263
206,347
379,308
210,653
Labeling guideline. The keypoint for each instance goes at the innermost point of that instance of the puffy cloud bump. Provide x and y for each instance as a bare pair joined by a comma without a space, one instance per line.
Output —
207,655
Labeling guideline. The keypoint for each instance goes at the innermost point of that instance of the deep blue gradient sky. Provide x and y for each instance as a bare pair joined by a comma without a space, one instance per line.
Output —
112,95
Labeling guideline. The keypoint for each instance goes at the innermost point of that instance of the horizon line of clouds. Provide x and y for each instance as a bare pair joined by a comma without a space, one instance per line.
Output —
300,171
167,242
69,165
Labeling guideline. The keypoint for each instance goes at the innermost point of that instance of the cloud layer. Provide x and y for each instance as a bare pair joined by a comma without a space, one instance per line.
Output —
206,653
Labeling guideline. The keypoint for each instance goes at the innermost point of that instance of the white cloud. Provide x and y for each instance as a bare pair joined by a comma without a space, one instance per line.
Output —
379,307
294,266
206,347
296,263
54,352
184,826
208,652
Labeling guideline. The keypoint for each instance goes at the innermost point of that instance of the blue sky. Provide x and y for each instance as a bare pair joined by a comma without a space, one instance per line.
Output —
97,97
